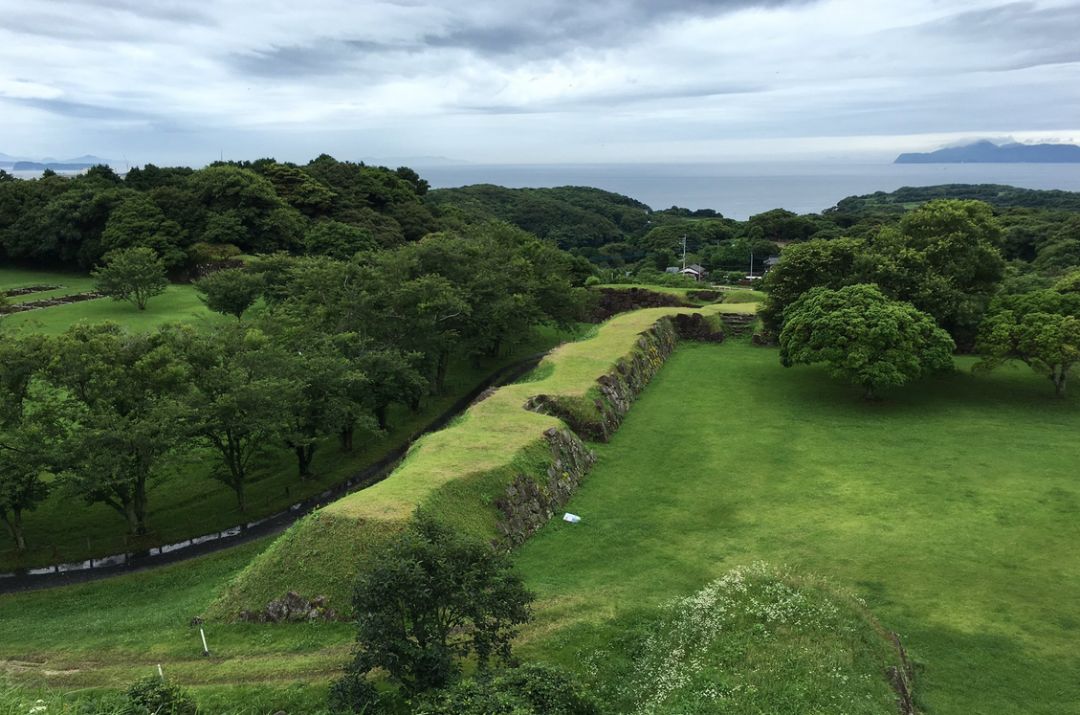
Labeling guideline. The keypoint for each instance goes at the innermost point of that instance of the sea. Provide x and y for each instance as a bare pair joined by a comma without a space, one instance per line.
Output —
741,190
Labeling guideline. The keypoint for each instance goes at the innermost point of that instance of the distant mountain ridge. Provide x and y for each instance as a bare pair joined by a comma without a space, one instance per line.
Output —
987,152
79,163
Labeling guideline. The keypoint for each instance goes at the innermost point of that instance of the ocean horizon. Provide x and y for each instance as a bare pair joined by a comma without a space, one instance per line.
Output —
740,190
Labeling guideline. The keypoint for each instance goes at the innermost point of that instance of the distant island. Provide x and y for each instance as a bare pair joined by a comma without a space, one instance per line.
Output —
53,166
22,163
987,152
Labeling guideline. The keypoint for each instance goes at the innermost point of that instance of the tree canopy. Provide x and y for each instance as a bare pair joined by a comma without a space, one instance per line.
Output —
864,337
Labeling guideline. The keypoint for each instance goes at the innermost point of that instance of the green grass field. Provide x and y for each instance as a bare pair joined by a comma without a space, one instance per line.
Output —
951,508
105,634
179,303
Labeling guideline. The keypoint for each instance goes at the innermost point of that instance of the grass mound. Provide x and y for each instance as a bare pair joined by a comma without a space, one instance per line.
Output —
457,474
756,640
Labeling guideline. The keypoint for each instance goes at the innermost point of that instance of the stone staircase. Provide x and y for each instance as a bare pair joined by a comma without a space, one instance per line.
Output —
738,323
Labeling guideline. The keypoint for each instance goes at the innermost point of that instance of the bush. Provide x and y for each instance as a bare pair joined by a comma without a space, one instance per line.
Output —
528,690
431,598
153,696
354,693
592,281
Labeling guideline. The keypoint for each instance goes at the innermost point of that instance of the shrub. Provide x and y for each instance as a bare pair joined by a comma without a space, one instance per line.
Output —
154,696
430,598
528,690
354,693
592,281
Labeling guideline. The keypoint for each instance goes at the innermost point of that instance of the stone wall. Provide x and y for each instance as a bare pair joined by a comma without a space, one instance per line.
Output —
598,414
531,501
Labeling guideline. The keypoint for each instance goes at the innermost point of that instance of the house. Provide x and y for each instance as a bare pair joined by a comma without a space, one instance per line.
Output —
694,271
771,262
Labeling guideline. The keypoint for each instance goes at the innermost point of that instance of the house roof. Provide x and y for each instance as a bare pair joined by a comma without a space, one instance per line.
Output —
695,268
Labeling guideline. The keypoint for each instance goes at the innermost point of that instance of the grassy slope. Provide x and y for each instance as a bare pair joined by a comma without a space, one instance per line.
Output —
951,508
189,503
451,472
108,633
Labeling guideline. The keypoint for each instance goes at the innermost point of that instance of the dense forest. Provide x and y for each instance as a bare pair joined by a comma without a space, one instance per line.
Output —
334,208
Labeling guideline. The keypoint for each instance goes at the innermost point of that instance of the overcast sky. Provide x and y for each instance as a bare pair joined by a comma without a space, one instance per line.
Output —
518,81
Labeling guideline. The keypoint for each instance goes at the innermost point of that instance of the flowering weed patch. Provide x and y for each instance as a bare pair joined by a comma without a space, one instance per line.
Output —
756,640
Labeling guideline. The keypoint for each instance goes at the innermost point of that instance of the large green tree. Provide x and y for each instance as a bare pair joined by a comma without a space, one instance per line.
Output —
138,222
864,337
1040,329
240,398
131,386
134,275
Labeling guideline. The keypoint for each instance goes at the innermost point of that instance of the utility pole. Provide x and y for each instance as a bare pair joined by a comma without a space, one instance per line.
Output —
751,263
684,251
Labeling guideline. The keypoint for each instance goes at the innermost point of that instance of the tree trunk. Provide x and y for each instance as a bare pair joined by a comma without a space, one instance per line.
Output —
241,499
304,455
14,527
414,403
140,507
868,392
380,415
1057,376
346,436
440,371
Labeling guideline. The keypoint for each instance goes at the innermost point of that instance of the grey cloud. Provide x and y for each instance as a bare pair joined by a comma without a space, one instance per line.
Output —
76,110
1035,34
619,98
323,58
546,30
566,24
95,19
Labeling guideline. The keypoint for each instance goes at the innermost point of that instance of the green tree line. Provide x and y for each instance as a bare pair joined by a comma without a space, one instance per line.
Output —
99,413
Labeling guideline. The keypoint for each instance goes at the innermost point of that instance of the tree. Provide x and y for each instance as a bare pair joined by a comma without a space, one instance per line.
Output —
239,402
329,395
130,388
804,266
337,240
132,274
230,291
864,337
34,419
137,221
1040,329
428,599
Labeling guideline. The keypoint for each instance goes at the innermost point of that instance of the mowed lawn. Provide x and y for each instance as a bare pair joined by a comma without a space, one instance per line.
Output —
179,303
952,507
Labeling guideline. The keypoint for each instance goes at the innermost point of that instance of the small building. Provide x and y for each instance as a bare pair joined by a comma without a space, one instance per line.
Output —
694,271
771,262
